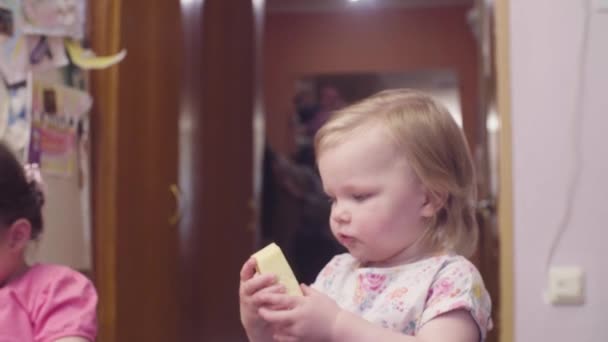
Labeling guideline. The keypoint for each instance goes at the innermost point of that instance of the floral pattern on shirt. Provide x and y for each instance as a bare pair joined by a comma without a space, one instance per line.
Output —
404,298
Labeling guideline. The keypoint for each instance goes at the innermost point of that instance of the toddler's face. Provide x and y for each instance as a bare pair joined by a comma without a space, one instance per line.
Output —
378,204
13,241
5,255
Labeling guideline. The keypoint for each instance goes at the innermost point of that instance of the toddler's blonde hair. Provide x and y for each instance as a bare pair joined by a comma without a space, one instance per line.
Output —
434,146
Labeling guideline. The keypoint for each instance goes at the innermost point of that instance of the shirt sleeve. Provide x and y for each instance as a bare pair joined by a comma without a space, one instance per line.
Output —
459,286
66,307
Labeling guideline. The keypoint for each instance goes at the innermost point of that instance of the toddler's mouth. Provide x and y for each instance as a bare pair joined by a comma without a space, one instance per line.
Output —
346,240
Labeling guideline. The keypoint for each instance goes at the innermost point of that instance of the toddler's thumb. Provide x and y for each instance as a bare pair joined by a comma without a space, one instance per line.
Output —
308,291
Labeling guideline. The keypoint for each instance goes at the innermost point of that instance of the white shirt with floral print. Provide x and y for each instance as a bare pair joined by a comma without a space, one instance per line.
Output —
403,298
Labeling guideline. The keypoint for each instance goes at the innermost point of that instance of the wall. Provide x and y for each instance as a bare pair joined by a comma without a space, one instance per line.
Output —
297,44
545,46
66,238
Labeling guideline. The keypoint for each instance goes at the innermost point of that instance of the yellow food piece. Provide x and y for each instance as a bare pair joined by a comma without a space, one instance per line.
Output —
271,260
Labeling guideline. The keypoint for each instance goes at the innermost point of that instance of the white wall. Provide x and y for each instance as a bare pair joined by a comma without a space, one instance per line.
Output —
545,44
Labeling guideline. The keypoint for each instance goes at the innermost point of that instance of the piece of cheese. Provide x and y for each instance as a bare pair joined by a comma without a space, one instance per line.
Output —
271,260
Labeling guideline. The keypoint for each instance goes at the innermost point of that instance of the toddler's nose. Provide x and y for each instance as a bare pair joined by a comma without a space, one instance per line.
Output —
340,215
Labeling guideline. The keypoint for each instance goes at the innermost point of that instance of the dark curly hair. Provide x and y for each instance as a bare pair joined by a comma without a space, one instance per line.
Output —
19,198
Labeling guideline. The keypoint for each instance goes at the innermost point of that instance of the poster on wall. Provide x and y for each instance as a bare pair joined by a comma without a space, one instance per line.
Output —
15,118
13,55
4,108
60,18
56,115
44,53
21,53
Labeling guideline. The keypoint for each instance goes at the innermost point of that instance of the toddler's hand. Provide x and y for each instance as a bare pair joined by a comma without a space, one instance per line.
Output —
309,318
252,292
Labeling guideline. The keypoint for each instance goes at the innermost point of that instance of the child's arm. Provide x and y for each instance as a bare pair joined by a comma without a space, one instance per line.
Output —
65,306
455,326
317,317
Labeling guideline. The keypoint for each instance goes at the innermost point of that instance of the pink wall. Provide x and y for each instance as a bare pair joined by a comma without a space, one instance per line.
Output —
545,41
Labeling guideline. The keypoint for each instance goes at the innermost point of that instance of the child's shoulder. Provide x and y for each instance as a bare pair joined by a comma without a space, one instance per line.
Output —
45,278
453,260
458,285
55,301
454,263
46,273
450,266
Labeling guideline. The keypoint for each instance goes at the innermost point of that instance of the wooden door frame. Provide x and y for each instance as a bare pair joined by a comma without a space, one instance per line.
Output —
104,32
505,196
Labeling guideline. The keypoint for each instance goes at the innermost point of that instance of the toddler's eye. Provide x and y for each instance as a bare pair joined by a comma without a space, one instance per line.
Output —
361,197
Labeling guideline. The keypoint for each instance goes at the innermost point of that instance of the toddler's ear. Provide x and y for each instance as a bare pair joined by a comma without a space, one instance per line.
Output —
19,235
433,202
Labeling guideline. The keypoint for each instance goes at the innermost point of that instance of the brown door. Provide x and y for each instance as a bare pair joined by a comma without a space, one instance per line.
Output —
179,109
216,164
489,248
135,153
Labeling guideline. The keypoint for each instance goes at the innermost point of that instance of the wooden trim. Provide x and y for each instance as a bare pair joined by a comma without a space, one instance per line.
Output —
315,6
105,39
505,197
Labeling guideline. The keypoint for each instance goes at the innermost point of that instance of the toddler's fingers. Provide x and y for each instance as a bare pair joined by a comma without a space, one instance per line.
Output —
278,301
260,297
276,288
255,284
279,317
248,270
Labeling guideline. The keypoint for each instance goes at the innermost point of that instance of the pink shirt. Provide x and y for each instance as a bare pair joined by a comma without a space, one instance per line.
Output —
47,303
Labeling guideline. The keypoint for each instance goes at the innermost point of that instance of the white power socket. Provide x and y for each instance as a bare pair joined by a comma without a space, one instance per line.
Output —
566,286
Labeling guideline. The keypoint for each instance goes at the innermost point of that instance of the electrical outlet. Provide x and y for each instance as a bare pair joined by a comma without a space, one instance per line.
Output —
566,284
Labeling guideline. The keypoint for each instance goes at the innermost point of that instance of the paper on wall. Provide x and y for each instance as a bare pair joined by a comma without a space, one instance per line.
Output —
56,113
45,53
17,132
4,107
12,43
63,18
21,53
